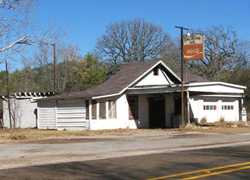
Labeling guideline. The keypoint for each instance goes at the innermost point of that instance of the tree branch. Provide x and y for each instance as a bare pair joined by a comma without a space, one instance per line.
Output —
22,40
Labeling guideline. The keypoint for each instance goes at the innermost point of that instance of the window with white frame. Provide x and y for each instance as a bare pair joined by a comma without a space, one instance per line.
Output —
112,109
102,110
209,107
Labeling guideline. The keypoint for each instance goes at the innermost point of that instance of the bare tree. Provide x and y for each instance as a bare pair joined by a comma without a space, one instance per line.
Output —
171,55
223,51
135,40
70,58
11,20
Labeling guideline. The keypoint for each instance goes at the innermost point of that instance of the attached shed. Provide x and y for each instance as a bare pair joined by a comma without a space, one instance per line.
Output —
62,114
217,101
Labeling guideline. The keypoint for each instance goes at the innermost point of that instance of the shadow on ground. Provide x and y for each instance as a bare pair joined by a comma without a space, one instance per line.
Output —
135,167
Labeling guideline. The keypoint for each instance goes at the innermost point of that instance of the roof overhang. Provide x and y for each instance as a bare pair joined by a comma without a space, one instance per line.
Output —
194,84
221,95
153,90
215,87
106,96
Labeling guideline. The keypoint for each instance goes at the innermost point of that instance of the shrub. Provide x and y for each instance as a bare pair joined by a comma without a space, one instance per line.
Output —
18,137
222,120
203,120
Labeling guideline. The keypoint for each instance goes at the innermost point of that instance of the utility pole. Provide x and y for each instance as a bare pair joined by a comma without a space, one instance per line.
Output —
181,28
54,66
8,92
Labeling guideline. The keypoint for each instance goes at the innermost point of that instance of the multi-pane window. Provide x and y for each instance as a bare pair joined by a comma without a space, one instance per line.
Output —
112,109
93,110
213,107
102,110
87,109
209,107
227,107
133,107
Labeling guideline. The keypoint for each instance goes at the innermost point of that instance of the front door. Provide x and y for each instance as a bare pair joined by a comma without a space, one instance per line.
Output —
157,112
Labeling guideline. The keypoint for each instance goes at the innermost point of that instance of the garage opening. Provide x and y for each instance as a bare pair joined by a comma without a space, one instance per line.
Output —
156,112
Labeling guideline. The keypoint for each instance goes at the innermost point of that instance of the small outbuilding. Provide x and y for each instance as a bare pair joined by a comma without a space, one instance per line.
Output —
143,95
23,109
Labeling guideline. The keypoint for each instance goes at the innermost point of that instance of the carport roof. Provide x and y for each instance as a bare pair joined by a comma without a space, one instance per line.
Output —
118,82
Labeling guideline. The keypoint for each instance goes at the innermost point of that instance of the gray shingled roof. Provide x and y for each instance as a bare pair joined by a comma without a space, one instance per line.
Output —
126,74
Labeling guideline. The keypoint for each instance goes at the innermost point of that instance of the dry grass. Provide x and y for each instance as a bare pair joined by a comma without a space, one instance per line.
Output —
220,127
27,134
16,135
223,123
35,134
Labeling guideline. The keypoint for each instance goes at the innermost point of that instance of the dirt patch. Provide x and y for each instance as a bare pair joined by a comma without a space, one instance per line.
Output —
218,129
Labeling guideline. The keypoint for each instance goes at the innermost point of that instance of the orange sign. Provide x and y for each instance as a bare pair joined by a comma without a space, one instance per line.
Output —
193,47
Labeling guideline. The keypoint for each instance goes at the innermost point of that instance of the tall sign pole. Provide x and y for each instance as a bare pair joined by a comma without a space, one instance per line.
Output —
181,28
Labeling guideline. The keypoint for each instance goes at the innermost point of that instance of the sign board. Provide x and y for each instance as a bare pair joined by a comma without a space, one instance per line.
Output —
193,47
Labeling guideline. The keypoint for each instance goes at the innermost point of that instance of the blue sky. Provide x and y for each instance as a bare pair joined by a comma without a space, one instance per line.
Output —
85,20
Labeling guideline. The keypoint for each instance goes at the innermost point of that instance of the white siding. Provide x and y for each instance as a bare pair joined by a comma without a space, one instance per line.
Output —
23,110
120,122
152,79
71,114
47,115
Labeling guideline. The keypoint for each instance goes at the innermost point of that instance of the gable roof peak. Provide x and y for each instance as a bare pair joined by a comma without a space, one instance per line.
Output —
127,74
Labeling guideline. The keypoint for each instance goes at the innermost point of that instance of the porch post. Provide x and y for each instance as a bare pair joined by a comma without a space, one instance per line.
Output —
188,109
241,105
97,110
90,113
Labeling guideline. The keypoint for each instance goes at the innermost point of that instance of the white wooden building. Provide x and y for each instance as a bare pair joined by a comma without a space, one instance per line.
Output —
143,95
23,109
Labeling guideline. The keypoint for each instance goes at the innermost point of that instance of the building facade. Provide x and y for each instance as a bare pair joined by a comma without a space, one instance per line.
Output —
143,95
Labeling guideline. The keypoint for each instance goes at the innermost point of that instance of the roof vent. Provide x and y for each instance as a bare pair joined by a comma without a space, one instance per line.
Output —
156,72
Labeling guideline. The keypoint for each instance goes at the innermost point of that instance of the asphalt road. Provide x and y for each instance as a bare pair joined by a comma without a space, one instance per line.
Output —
16,155
233,163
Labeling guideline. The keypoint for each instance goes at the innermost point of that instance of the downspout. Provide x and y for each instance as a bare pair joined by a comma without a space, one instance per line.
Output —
188,108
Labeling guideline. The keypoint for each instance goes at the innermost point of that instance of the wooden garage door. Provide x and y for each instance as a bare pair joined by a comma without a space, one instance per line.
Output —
71,114
211,110
229,109
215,109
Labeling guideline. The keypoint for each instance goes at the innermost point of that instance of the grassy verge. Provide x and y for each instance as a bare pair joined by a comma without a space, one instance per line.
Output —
35,134
13,135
